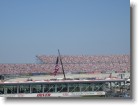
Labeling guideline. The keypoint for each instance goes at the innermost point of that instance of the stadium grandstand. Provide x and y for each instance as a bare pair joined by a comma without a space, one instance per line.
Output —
72,64
102,76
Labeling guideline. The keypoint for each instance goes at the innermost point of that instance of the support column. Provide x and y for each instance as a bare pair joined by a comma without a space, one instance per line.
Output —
17,89
30,88
103,87
42,88
5,90
56,88
93,86
110,85
68,87
80,85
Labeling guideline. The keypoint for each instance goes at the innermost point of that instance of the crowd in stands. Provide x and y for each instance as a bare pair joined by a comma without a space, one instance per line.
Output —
86,59
116,63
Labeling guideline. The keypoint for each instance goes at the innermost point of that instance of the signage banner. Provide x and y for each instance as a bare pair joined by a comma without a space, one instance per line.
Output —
62,94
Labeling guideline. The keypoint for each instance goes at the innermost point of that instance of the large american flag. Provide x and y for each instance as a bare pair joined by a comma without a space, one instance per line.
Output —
56,66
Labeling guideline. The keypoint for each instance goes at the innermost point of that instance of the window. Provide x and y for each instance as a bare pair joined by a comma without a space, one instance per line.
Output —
1,89
98,87
74,87
36,88
24,89
49,88
11,89
86,87
62,88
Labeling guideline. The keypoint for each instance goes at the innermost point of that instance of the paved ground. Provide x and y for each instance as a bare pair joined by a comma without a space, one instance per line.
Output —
45,77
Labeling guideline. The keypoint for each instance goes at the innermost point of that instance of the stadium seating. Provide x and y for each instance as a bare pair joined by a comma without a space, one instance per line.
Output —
74,64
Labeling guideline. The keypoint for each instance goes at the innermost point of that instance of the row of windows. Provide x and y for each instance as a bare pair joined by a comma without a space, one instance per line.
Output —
39,88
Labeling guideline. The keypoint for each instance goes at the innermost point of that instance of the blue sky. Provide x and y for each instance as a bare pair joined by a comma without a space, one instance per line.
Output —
76,27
